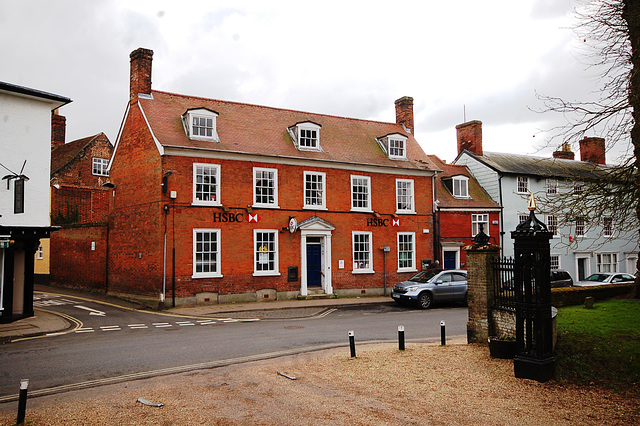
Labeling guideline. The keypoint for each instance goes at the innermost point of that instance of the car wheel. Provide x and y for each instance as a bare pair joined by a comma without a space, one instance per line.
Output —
425,300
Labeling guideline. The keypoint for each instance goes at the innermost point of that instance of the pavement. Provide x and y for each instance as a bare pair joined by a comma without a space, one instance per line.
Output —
47,321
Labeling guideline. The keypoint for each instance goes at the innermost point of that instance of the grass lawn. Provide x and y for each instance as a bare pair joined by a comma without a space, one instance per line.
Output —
600,345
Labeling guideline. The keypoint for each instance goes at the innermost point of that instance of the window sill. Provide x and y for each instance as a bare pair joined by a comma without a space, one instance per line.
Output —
196,276
361,210
267,274
265,206
402,271
405,212
315,208
206,203
363,271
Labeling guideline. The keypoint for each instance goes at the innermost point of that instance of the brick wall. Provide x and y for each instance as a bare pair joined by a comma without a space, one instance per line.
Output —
456,226
480,291
75,262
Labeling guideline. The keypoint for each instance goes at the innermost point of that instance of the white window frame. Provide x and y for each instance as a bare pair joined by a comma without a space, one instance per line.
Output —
607,265
581,225
40,253
607,226
552,186
405,185
412,252
321,181
258,253
578,188
99,166
554,262
366,208
357,269
397,147
274,178
522,218
460,187
211,167
476,220
313,128
522,184
217,253
202,114
552,224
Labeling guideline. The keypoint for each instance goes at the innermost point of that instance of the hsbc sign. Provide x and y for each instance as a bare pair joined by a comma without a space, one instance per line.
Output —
383,222
236,217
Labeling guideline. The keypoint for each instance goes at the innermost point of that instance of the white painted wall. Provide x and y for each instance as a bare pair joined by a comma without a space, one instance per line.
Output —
25,134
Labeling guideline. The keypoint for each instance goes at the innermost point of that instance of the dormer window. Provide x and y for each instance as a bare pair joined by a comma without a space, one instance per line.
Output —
200,124
394,145
458,186
306,136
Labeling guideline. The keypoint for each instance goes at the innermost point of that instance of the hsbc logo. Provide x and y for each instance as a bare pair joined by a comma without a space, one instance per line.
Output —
252,218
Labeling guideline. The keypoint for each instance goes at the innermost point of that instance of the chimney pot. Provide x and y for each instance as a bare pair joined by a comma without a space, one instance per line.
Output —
140,77
565,152
404,112
469,137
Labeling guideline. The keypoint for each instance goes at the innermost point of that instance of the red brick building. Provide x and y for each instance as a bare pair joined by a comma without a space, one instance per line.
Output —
221,201
80,207
462,205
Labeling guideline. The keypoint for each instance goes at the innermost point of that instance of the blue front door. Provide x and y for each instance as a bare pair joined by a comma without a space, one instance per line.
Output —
449,261
314,263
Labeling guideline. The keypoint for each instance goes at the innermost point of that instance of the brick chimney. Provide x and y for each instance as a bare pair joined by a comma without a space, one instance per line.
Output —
592,150
470,137
404,112
565,152
58,129
140,78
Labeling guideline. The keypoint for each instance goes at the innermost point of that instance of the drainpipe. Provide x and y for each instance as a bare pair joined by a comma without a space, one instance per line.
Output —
501,215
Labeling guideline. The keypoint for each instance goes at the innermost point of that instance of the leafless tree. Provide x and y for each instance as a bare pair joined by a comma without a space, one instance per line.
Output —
610,32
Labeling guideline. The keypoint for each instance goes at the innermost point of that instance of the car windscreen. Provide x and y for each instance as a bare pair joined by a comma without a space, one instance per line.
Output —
422,277
597,277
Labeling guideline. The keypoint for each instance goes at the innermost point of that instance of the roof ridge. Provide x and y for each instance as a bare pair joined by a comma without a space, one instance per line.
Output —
278,108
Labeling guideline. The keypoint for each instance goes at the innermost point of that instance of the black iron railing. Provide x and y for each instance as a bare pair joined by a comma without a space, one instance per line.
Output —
504,283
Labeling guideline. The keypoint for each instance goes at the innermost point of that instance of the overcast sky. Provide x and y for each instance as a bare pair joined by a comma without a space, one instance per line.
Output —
346,58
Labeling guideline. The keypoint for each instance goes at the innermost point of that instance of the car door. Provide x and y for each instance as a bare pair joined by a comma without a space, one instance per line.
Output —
442,287
458,285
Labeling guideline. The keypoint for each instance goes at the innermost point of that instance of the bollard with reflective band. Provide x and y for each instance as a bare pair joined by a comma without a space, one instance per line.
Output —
352,344
22,401
401,337
443,335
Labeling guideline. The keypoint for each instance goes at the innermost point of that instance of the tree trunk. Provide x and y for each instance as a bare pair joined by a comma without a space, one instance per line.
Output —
631,14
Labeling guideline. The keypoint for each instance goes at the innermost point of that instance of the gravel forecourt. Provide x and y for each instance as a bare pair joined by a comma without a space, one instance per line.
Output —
425,384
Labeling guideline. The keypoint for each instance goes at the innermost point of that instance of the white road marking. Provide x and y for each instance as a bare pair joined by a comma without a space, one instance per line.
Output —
91,311
162,324
85,330
183,323
137,326
110,328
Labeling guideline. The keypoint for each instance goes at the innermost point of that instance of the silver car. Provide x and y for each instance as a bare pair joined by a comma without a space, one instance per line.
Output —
425,288
606,278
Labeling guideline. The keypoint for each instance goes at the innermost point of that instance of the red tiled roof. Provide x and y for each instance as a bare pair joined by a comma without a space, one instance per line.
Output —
64,154
260,130
479,198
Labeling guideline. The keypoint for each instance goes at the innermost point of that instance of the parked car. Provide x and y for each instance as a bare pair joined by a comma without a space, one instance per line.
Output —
426,288
560,278
606,278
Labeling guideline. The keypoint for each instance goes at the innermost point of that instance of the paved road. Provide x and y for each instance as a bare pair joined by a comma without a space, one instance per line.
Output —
111,344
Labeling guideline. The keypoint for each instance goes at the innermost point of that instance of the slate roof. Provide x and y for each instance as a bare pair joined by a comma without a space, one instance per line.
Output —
64,154
260,130
518,164
479,198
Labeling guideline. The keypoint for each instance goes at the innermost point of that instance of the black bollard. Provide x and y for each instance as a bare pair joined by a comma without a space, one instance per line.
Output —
22,401
401,337
443,335
352,344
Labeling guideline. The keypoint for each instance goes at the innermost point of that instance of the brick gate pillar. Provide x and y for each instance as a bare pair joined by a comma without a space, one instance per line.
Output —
480,293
